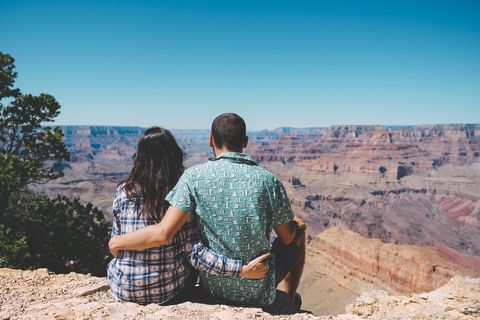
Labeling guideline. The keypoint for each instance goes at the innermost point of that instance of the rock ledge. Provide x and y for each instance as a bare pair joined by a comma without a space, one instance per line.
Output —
40,294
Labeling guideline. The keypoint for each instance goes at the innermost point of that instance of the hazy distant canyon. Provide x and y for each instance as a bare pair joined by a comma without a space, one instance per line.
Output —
403,185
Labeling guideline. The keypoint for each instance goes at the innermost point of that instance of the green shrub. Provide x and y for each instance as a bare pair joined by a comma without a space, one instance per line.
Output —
52,233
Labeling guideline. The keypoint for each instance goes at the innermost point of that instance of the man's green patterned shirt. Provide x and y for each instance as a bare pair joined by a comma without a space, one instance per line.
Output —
236,203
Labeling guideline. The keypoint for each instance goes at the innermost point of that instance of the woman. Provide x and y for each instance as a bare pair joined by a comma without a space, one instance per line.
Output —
160,274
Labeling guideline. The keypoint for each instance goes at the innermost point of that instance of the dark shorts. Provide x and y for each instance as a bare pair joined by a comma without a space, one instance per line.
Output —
286,257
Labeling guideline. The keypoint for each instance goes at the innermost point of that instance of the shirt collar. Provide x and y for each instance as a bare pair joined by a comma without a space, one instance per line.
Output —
235,157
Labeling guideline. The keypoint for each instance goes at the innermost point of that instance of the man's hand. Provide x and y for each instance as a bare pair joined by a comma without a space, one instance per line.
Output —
257,268
301,224
286,232
113,249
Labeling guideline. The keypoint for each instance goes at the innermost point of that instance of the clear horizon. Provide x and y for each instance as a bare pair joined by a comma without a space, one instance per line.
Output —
248,130
275,63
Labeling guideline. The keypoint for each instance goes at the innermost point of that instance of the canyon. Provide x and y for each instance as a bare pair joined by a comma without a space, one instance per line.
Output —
418,186
416,189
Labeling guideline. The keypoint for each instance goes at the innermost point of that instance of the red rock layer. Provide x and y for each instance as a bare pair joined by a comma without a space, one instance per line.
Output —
472,262
375,149
398,268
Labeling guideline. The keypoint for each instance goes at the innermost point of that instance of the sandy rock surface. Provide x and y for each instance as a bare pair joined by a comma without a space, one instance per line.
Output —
40,294
459,299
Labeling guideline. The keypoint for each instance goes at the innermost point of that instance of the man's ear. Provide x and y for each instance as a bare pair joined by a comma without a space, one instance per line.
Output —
245,143
210,140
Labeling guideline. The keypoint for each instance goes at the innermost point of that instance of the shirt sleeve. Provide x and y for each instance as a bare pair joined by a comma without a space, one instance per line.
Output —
283,210
181,196
203,258
116,227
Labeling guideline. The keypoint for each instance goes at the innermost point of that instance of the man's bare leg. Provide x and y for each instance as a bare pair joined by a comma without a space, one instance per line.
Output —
292,279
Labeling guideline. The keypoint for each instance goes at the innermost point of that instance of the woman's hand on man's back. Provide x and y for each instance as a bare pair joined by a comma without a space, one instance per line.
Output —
257,268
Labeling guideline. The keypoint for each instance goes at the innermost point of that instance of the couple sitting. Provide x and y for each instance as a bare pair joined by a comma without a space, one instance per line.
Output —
215,217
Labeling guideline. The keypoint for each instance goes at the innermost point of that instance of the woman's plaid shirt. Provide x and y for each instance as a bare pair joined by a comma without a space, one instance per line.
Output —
156,275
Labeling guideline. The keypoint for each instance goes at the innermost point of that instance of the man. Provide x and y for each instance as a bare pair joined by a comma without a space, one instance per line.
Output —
237,205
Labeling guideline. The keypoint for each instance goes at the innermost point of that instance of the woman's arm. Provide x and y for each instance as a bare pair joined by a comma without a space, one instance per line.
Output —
204,258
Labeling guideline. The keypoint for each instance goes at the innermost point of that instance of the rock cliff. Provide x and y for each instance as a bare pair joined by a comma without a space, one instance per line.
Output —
342,265
399,269
42,295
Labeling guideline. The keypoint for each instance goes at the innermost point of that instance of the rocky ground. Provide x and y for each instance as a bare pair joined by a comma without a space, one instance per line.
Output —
459,299
40,294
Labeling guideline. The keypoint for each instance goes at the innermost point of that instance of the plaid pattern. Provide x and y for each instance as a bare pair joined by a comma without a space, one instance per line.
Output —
157,274
236,204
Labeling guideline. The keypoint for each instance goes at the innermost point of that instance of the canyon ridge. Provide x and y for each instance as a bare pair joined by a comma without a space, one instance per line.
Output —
415,189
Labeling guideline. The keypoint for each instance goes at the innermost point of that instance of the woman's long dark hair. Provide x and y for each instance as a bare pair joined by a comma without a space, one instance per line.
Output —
157,166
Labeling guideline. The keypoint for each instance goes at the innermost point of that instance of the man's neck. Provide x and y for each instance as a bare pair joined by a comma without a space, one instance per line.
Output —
218,152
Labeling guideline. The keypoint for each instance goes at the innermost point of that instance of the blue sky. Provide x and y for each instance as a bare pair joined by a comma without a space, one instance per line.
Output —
179,64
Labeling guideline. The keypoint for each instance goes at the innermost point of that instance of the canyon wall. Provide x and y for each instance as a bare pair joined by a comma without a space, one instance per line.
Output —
101,156
418,185
403,185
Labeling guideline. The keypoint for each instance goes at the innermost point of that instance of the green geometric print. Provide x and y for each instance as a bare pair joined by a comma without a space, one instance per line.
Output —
236,204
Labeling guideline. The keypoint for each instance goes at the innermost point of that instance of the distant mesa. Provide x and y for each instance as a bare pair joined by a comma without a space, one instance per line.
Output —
346,184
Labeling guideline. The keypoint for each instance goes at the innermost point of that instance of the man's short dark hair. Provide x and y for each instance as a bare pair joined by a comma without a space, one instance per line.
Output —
229,130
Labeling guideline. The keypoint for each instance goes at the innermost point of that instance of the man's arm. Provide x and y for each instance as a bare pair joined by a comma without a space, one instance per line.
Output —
151,236
286,232
285,223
